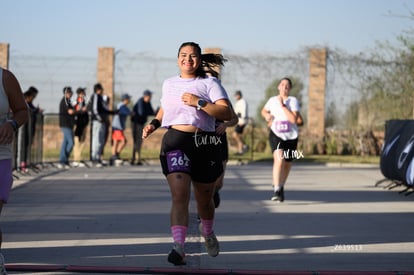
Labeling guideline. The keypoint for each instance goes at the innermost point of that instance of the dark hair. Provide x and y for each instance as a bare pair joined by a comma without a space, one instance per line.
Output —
209,61
67,89
32,91
28,93
288,80
80,90
97,87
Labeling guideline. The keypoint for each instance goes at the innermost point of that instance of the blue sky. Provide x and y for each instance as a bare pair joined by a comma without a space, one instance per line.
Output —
78,27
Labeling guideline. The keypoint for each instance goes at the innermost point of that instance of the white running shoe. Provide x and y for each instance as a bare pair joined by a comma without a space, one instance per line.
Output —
211,243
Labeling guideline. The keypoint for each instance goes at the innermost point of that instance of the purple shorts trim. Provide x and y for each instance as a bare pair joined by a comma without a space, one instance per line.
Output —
6,179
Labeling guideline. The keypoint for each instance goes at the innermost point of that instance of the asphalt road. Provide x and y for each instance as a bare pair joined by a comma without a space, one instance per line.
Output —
116,220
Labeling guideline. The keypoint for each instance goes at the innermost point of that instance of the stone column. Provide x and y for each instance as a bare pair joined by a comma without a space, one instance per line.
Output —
4,55
106,71
316,96
316,92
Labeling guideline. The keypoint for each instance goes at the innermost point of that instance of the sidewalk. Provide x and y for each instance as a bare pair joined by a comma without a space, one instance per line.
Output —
116,219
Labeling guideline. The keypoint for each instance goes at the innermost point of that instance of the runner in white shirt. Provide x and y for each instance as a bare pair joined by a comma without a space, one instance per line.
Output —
281,113
241,109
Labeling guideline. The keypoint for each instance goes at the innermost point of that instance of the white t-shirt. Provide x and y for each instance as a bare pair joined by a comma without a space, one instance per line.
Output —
240,108
281,126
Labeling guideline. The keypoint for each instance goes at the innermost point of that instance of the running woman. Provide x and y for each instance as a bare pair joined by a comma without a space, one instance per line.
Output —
11,98
190,105
281,113
221,127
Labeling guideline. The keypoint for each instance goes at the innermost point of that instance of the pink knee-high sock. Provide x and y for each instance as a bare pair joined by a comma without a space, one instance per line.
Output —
179,232
207,227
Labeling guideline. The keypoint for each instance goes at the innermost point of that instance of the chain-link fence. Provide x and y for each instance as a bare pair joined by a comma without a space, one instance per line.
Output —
135,72
252,74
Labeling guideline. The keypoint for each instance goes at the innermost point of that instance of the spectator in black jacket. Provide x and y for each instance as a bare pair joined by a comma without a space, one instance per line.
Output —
28,130
66,123
100,121
30,95
141,110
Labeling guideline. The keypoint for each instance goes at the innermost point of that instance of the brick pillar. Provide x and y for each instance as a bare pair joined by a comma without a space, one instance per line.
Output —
316,92
4,55
105,72
215,51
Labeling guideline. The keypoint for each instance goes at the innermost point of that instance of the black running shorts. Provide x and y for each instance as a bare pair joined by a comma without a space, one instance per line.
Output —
288,146
239,128
197,154
224,148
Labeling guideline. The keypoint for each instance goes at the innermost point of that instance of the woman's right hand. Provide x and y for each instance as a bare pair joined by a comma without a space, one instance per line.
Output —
148,130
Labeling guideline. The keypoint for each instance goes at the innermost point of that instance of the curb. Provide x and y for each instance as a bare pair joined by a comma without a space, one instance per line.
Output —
183,270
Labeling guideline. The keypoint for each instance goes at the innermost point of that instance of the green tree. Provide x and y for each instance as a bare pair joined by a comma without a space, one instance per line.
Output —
386,83
351,116
331,115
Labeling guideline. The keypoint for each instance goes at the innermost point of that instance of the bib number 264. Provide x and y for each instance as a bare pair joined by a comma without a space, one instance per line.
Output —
178,161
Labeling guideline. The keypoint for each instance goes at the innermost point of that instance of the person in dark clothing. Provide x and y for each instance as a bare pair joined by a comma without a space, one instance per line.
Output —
28,129
100,121
81,122
29,96
66,123
141,110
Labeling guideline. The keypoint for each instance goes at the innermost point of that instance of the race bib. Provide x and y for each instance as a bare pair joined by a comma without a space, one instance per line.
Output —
177,161
283,126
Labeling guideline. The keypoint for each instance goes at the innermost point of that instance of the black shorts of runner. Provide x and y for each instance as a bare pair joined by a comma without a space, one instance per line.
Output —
288,146
224,148
239,128
196,154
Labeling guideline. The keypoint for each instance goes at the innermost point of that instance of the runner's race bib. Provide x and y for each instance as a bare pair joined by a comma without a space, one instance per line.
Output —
177,161
283,126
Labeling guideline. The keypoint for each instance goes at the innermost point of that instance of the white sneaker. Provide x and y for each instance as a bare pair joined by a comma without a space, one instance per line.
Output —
118,162
62,166
211,243
2,265
77,164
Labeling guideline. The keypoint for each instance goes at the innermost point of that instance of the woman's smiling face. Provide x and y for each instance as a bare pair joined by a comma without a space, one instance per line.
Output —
188,61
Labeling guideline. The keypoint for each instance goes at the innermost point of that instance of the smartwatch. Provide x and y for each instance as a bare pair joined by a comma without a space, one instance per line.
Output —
201,103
